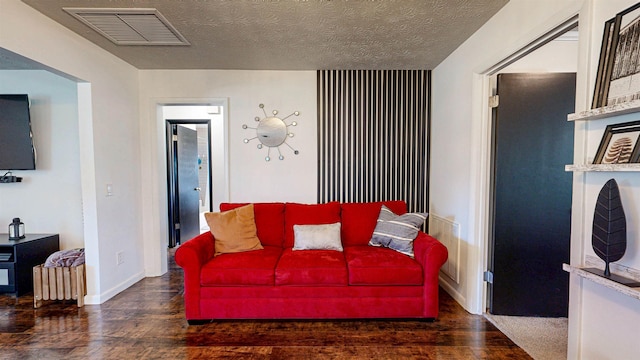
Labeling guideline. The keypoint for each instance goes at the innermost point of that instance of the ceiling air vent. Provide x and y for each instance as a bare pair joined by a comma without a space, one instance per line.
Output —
130,26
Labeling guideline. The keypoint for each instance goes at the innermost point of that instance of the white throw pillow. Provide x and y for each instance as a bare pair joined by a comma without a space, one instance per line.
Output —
317,237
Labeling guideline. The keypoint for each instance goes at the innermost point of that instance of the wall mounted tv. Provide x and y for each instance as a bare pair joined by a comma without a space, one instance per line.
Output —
16,142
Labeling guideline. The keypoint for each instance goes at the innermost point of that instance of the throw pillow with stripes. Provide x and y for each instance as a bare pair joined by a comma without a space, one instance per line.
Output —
397,232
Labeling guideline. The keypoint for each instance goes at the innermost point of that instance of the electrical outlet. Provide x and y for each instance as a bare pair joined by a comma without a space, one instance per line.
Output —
120,258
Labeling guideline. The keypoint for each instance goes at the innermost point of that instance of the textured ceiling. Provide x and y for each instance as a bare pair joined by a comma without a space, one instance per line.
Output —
294,34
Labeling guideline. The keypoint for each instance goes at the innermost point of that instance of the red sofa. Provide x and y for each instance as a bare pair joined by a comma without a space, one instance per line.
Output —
362,281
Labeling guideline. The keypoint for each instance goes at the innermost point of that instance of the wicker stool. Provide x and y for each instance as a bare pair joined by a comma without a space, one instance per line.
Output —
59,283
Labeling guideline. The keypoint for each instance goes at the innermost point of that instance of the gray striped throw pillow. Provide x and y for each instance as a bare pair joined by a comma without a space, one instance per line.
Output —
397,232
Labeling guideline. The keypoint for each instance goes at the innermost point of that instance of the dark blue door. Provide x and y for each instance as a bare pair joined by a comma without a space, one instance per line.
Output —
532,194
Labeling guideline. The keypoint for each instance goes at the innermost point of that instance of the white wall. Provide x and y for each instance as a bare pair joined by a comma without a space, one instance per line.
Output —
109,142
461,133
555,56
47,200
251,178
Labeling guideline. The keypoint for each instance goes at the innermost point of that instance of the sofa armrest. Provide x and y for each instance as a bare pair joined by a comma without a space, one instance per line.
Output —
196,252
191,256
431,254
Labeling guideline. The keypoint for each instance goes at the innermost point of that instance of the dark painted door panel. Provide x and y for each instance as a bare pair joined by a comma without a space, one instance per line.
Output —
532,194
188,187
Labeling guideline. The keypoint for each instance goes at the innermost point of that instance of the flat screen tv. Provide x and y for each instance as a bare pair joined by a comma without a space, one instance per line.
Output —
16,141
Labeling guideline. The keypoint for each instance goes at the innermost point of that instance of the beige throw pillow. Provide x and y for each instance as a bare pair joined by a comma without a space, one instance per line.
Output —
234,230
317,237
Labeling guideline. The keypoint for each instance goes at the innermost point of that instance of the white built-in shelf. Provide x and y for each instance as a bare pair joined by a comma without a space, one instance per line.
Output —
603,113
603,167
594,262
607,111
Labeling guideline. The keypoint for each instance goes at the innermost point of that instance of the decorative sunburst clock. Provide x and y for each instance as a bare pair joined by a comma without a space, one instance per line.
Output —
272,132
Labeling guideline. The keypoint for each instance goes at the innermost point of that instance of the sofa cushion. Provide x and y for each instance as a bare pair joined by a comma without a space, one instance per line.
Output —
269,221
234,230
397,232
359,220
247,268
370,265
317,237
311,268
308,214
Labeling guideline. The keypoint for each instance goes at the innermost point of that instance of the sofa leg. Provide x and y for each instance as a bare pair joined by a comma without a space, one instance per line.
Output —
198,322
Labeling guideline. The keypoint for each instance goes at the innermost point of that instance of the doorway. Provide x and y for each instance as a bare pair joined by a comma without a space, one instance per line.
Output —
555,52
208,118
189,180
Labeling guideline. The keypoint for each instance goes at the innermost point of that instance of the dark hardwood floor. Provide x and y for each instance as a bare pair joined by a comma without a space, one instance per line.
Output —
147,322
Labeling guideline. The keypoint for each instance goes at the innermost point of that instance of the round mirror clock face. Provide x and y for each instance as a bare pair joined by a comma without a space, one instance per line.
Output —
271,131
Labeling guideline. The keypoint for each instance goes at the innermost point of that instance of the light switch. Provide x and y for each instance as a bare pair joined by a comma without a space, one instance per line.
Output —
109,190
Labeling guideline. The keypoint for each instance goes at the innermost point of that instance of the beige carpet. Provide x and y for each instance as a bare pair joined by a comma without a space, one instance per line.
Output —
542,338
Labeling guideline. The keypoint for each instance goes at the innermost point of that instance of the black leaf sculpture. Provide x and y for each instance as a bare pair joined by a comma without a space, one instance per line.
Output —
609,236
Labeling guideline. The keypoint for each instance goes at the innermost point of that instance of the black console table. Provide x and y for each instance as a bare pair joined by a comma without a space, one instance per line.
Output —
18,257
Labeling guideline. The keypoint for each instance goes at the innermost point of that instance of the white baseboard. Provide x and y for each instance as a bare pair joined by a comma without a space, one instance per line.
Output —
99,299
453,292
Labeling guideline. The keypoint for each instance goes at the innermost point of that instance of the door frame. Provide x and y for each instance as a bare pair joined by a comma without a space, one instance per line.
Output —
154,217
172,173
482,194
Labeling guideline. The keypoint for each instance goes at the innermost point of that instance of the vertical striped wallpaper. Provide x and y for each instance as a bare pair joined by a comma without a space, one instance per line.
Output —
373,136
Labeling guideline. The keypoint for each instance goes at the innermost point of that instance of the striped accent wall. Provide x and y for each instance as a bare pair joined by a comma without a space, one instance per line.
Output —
373,136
